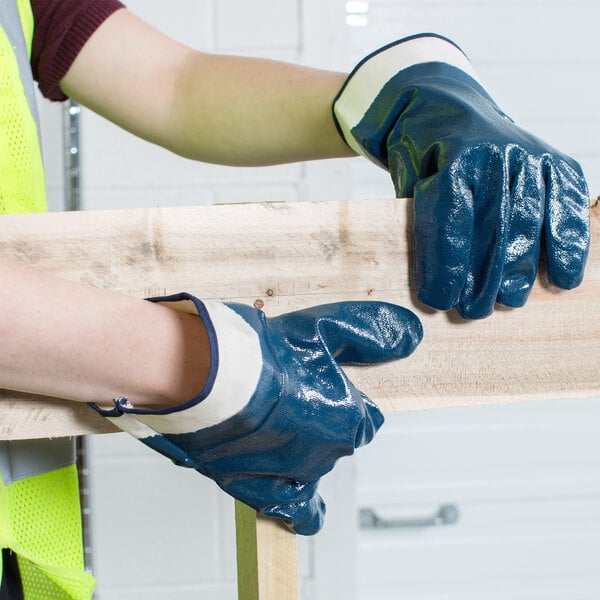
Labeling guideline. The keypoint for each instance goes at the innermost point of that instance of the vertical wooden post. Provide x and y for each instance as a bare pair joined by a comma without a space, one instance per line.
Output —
267,563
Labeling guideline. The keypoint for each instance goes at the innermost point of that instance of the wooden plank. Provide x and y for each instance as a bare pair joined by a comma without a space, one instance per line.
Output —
266,557
287,256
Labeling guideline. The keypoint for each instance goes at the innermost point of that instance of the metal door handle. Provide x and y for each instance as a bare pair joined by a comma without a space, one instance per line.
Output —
446,515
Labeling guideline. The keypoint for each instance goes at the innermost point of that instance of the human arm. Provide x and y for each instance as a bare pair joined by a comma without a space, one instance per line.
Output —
491,199
213,108
260,405
298,403
277,411
480,229
78,342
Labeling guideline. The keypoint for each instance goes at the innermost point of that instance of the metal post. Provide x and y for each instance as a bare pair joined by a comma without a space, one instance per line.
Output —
72,201
72,182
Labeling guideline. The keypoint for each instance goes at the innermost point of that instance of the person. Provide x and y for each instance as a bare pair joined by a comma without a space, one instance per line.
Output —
258,404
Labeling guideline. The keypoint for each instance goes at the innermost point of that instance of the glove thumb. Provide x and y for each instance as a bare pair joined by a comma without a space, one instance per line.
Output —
359,332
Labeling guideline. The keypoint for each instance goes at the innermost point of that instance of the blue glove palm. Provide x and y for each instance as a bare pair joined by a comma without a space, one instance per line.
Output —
277,410
489,196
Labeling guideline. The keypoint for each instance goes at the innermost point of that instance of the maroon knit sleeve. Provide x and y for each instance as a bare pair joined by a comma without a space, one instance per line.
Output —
61,28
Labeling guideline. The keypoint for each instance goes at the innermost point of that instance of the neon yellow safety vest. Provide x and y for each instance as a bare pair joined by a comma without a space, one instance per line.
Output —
22,184
40,519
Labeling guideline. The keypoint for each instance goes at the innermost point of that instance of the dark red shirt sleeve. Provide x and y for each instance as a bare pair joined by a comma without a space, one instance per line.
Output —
61,29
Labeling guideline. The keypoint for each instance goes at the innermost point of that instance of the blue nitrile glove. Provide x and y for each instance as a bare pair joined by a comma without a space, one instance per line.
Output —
488,195
277,410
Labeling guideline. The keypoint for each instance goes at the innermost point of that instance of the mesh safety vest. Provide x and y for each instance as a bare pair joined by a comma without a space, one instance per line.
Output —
40,519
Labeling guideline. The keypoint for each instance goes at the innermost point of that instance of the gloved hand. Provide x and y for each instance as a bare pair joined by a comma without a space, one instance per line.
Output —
277,410
488,195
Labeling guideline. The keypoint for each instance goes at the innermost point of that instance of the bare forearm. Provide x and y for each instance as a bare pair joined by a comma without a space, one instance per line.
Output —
221,109
81,343
235,110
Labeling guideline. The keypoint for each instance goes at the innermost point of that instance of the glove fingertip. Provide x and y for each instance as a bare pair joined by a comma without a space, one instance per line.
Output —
475,310
567,223
566,279
401,331
513,293
303,518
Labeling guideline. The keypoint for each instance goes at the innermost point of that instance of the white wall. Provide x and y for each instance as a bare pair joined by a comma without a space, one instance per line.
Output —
538,58
161,533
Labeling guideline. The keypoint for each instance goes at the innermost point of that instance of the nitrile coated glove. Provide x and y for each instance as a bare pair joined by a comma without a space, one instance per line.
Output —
277,410
488,196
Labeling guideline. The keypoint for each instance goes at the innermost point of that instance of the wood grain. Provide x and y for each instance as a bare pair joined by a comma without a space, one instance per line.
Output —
285,256
266,557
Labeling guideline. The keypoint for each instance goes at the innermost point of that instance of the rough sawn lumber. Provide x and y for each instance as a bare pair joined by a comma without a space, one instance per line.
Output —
286,256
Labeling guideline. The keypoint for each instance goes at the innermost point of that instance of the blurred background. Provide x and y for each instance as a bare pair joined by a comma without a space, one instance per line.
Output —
484,504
